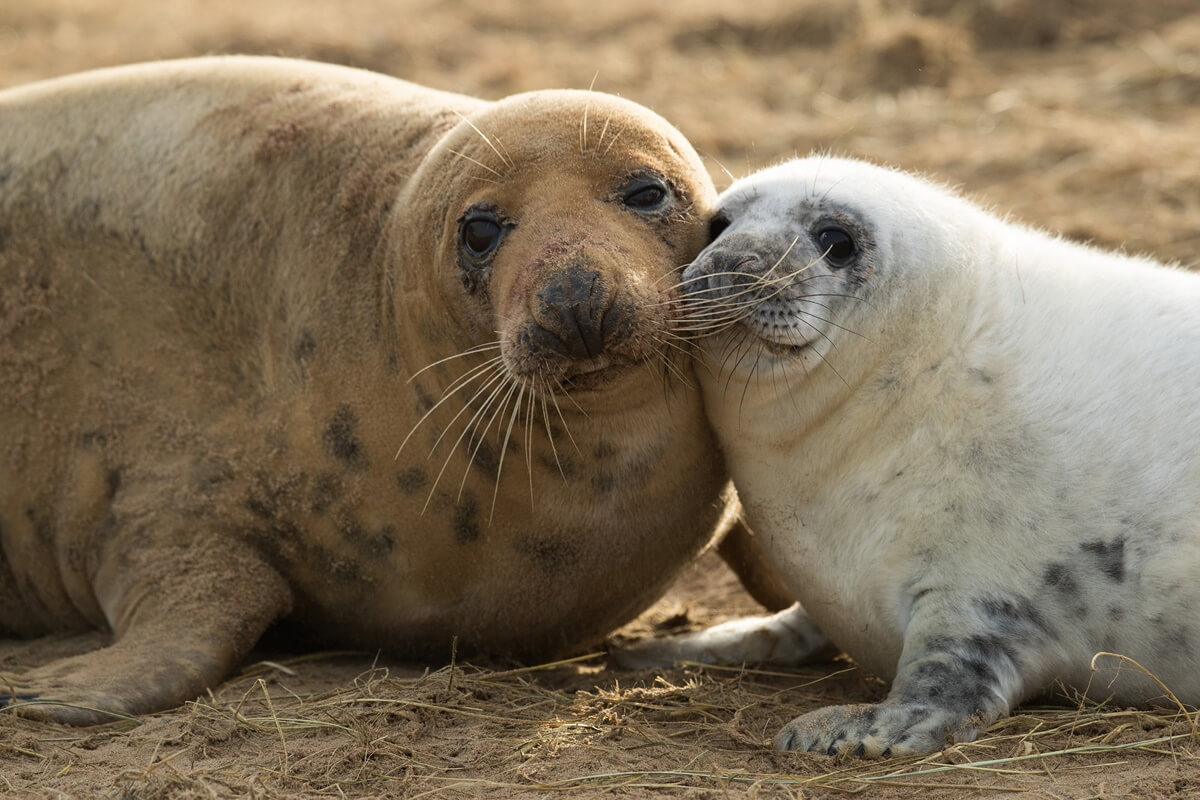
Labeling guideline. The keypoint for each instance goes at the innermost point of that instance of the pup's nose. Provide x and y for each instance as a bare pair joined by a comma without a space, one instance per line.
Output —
577,317
716,272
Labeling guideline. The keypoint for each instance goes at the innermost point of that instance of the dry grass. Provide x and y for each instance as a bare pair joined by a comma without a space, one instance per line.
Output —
355,725
571,728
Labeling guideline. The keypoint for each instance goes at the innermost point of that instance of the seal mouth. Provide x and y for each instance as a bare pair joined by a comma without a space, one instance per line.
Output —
773,345
593,373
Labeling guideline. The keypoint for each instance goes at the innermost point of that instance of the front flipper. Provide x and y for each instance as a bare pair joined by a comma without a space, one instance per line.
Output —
961,669
183,616
785,639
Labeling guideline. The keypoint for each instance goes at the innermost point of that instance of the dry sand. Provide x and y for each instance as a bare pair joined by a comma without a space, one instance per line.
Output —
1076,115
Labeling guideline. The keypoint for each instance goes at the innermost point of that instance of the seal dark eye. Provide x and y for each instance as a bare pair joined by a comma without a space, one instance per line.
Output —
837,246
646,195
717,226
481,235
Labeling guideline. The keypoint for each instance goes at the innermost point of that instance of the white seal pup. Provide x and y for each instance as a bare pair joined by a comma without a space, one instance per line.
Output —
969,446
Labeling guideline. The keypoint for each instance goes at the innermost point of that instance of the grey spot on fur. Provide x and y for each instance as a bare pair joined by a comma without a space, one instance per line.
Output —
93,439
604,482
326,489
980,375
485,459
605,450
113,479
466,522
306,346
564,464
40,526
553,556
210,472
424,401
340,441
260,507
1058,577
1109,557
412,480
1015,617
374,545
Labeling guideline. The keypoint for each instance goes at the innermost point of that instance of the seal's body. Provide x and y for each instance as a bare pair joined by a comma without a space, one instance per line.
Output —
231,289
970,448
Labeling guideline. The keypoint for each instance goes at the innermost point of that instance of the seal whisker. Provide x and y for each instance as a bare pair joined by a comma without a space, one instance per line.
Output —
503,378
669,273
586,108
613,141
603,130
477,162
504,451
549,433
485,138
529,442
669,360
567,394
821,355
478,437
479,348
743,339
753,374
497,373
554,399
834,324
469,377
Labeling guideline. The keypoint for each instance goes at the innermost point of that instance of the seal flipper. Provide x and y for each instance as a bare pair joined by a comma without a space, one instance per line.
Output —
741,550
183,615
786,638
961,669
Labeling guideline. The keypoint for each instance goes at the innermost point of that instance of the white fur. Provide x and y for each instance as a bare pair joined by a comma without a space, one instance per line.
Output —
996,415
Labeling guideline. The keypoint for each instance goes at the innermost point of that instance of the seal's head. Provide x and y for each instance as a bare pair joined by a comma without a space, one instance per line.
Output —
799,252
559,217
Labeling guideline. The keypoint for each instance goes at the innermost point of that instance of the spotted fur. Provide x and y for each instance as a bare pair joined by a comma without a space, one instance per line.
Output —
970,449
230,288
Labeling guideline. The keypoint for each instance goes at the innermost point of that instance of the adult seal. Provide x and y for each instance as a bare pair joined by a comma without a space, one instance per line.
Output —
287,341
970,448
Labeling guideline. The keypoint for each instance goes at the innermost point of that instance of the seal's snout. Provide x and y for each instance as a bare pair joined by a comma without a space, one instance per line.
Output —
576,317
719,271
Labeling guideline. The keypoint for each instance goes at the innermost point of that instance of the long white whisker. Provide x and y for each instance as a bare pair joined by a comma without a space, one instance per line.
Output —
483,136
504,451
479,348
469,377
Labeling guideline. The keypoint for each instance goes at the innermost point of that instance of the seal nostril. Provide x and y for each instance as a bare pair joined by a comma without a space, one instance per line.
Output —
574,308
588,334
615,324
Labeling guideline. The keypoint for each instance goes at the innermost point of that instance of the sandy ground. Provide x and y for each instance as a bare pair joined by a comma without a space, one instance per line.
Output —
1075,115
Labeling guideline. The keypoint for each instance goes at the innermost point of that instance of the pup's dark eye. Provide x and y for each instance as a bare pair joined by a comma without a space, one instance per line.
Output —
646,196
481,235
837,246
717,226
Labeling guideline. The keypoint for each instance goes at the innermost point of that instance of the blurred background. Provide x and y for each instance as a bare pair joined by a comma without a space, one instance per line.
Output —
1077,115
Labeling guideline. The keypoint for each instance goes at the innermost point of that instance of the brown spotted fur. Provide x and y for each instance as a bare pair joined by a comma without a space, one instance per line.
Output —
217,278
